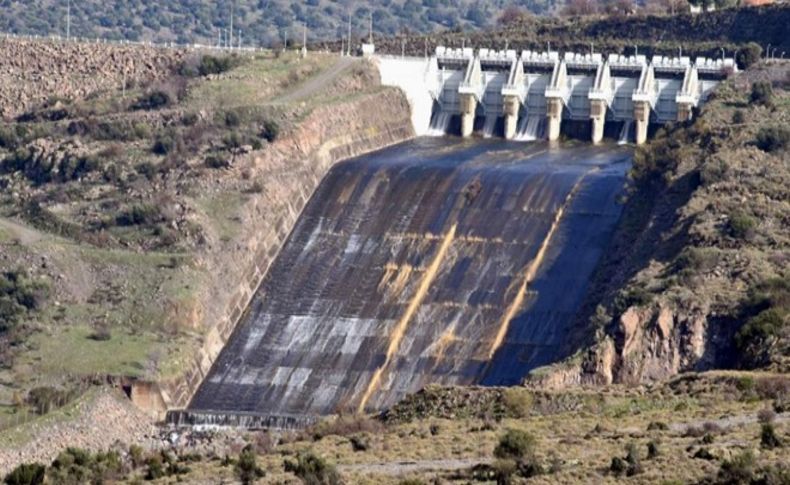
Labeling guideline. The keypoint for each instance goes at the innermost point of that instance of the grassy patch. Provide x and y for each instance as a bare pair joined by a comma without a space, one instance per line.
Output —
256,82
222,210
122,354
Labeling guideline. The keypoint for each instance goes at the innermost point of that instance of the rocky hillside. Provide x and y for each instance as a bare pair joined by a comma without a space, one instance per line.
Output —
134,222
36,71
259,22
699,275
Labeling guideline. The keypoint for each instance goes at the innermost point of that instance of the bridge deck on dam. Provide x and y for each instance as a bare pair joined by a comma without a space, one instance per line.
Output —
435,261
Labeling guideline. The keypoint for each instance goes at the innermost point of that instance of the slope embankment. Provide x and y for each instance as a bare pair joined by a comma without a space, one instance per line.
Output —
293,169
698,276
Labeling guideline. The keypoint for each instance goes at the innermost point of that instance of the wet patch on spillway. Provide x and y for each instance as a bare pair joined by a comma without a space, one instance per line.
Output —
434,261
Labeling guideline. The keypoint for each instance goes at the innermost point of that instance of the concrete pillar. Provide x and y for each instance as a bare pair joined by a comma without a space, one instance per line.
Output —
598,115
554,115
511,106
468,109
642,118
684,112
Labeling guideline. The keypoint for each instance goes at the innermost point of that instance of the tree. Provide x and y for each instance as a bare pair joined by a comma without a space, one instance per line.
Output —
247,468
512,15
26,474
749,54
576,8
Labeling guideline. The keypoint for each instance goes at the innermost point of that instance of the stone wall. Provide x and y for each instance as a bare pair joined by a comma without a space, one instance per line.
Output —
291,168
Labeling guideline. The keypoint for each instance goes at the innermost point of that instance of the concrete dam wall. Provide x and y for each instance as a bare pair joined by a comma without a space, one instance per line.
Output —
434,261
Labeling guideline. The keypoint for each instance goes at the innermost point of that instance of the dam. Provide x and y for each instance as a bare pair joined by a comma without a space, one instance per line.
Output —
532,94
440,260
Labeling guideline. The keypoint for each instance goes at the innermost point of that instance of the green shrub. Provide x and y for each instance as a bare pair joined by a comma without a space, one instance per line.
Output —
759,336
26,474
740,469
768,437
19,294
140,214
75,465
44,399
657,426
738,117
271,131
749,54
704,454
773,138
313,470
246,467
213,161
516,445
155,468
618,466
216,65
8,138
762,93
153,100
714,171
633,460
232,119
653,450
166,143
360,442
517,402
741,225
233,141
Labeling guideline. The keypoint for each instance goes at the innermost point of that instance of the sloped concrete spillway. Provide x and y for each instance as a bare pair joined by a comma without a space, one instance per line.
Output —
434,261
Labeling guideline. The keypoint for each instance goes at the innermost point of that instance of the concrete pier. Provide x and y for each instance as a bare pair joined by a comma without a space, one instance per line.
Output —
468,110
511,108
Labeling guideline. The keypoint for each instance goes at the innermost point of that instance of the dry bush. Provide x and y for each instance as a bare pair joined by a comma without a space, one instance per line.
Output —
345,426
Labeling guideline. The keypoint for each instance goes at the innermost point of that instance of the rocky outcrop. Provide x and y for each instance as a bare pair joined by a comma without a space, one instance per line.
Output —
33,71
292,168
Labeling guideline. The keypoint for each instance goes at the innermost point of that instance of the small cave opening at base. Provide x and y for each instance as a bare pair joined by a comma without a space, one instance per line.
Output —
436,261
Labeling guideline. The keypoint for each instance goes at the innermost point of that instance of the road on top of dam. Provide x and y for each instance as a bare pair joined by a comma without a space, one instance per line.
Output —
439,260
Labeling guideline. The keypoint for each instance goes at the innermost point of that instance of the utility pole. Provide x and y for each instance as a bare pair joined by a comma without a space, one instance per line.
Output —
239,38
349,33
370,30
304,39
230,40
68,20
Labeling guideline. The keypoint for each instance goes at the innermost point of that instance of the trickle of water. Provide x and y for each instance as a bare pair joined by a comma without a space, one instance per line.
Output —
440,122
530,128
625,133
489,126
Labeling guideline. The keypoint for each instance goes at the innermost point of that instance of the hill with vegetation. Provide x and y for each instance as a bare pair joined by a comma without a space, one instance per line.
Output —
258,22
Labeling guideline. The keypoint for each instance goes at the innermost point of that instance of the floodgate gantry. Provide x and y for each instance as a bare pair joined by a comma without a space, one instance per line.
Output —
549,89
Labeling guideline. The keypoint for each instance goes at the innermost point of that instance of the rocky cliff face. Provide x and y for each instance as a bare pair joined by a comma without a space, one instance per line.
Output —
33,71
